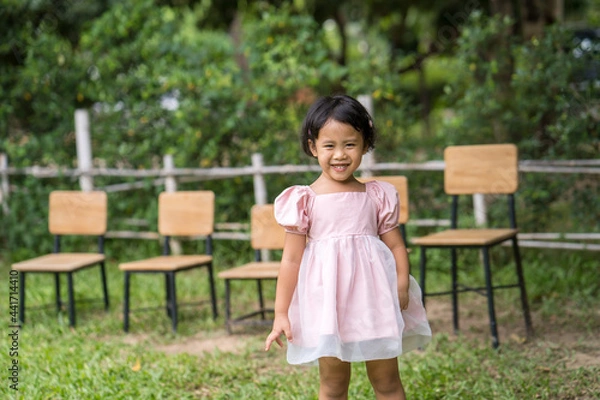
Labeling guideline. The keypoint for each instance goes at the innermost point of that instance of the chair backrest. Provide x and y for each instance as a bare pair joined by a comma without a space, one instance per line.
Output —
77,213
265,232
485,169
186,213
401,184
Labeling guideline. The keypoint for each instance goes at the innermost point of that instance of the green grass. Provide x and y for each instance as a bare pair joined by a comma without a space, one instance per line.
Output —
96,360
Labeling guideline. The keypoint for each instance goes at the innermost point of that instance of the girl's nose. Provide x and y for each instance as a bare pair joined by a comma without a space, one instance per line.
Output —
339,153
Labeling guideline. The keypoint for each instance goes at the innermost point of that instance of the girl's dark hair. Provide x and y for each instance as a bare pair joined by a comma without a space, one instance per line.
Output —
340,108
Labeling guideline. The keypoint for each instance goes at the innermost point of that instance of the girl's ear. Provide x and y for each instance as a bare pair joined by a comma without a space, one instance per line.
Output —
365,149
313,148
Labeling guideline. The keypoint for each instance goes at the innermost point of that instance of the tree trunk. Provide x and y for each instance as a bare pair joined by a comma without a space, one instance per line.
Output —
235,30
340,20
501,53
530,16
425,103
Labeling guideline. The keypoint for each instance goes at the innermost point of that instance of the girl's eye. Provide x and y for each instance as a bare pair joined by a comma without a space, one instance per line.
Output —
350,145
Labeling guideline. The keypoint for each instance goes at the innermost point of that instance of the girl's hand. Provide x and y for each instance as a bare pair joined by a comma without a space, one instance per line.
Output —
403,298
281,324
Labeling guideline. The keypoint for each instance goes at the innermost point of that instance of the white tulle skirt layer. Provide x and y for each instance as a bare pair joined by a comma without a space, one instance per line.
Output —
363,340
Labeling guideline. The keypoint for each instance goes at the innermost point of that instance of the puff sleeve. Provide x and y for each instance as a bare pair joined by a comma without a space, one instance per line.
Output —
291,209
388,205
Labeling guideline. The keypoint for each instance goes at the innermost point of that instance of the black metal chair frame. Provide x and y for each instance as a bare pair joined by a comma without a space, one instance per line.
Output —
488,289
262,310
170,286
71,295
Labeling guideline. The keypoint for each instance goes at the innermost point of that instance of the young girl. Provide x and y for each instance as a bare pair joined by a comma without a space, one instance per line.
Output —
344,292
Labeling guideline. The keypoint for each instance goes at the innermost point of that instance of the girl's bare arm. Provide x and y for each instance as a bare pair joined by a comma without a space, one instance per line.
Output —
393,239
286,284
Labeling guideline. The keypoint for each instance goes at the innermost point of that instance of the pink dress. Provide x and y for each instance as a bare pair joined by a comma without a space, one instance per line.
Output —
346,301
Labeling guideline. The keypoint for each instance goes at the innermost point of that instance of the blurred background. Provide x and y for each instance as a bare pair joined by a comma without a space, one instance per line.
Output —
213,82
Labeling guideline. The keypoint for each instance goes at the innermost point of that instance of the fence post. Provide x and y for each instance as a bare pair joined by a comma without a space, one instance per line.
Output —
368,159
260,187
260,190
479,209
168,167
171,186
84,149
4,187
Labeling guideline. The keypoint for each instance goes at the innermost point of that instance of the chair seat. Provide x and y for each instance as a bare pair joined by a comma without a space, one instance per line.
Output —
253,270
466,237
166,263
59,262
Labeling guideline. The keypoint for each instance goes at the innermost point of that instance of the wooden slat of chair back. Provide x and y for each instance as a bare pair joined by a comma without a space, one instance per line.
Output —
401,184
265,232
77,213
186,213
481,169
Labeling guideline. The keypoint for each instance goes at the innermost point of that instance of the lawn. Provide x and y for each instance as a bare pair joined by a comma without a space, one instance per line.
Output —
97,360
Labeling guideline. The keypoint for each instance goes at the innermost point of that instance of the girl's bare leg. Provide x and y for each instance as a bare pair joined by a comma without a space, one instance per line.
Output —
385,379
335,378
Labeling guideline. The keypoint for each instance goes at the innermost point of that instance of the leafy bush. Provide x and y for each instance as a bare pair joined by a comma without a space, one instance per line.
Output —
524,93
157,84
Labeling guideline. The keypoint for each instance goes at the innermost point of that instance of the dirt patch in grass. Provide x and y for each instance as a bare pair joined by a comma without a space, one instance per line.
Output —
204,342
570,332
201,343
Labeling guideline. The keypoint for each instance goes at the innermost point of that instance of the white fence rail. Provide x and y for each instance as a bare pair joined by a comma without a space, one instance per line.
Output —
169,176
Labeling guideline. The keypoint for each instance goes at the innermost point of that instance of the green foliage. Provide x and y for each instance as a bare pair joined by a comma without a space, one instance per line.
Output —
228,101
158,81
525,93
529,93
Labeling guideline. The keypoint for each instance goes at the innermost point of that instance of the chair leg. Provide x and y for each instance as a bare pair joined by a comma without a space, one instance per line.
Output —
22,297
422,262
261,301
213,293
71,299
104,286
228,306
126,303
173,301
168,308
524,301
490,296
454,272
57,290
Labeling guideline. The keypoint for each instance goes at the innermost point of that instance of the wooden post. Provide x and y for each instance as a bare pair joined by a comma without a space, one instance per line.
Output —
368,159
260,187
260,190
367,101
479,209
480,214
84,149
171,186
4,187
168,167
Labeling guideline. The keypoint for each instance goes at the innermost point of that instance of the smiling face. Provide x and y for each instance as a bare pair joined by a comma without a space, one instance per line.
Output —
339,149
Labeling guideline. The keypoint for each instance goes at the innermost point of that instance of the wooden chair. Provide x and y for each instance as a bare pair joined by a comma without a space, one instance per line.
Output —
70,213
485,169
265,234
186,213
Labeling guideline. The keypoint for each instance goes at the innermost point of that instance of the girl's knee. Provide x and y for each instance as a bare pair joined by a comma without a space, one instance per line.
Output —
387,385
334,378
333,389
385,378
